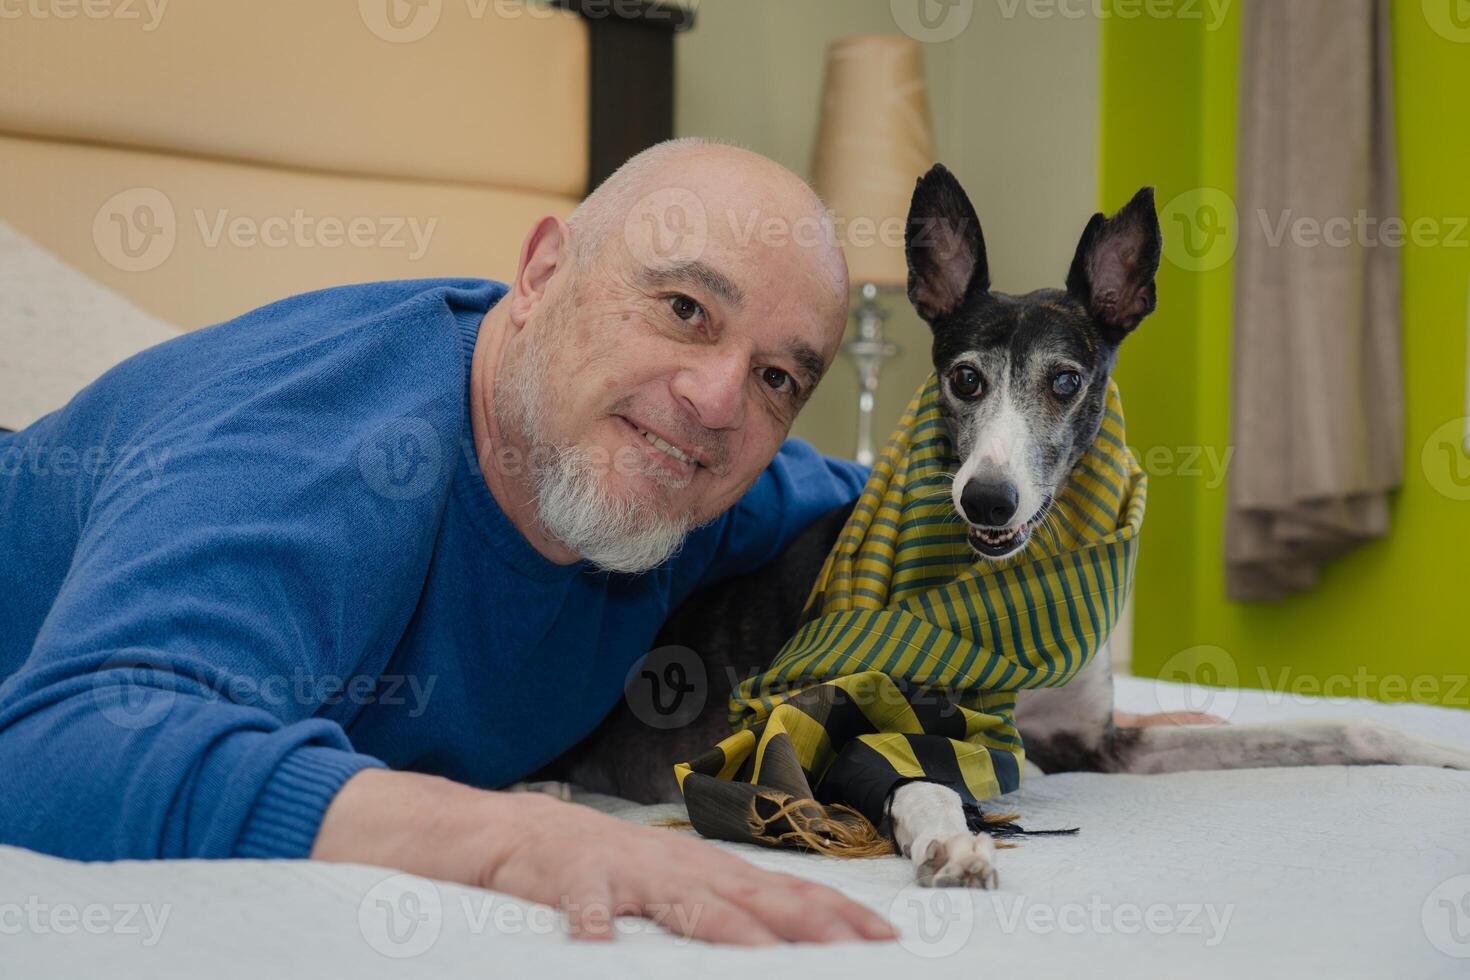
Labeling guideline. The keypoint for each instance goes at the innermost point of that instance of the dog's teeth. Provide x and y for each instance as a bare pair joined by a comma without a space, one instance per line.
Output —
997,538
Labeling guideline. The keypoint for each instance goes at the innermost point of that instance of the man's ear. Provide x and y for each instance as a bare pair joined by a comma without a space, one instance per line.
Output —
945,247
545,248
1117,260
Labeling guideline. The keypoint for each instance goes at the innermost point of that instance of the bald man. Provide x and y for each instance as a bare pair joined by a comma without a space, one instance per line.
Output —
399,545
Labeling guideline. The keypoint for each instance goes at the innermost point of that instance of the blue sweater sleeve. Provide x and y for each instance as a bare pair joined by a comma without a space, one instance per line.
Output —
186,694
798,486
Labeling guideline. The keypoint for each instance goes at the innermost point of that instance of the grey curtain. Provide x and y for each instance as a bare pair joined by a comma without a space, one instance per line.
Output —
1317,412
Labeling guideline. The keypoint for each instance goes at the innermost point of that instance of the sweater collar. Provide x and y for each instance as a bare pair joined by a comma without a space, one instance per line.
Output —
494,525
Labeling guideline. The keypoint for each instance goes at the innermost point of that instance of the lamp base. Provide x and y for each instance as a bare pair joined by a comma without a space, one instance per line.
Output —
869,349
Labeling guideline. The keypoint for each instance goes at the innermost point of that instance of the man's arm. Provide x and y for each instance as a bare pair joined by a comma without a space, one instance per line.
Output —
171,704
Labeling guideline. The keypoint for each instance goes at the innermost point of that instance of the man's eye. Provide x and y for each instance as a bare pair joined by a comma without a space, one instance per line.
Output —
778,380
685,308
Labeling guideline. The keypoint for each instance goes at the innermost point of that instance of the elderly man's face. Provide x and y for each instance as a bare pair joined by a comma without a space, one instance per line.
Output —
675,383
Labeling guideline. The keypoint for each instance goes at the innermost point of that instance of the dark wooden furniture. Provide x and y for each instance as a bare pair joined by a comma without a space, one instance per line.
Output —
630,77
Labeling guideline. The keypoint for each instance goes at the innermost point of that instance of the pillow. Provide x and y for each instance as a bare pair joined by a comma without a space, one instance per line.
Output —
59,330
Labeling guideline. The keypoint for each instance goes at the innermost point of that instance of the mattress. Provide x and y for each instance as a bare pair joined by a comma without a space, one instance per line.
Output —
1361,872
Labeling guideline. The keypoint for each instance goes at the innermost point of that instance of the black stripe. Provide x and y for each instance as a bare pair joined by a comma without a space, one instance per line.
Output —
718,807
781,769
937,714
936,757
710,763
860,777
839,715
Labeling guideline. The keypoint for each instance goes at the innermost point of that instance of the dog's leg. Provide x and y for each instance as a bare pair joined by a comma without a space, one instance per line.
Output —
929,826
1066,729
1071,729
1295,743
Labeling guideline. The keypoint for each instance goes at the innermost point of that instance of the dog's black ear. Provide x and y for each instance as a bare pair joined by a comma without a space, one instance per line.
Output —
1117,260
945,247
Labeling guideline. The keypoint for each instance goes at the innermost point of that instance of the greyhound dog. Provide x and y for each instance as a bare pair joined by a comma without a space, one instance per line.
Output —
1022,381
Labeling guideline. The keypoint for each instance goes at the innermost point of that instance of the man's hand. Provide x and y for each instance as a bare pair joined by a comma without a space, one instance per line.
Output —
592,865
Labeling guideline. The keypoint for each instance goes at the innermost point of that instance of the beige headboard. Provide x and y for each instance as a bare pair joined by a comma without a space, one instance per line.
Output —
227,153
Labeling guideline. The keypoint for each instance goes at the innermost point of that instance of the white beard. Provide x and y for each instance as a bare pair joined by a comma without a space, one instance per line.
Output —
574,504
576,507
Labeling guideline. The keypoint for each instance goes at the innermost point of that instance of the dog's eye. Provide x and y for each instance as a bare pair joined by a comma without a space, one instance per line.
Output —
1066,384
965,382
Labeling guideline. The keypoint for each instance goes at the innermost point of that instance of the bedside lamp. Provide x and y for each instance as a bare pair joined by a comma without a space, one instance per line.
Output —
873,143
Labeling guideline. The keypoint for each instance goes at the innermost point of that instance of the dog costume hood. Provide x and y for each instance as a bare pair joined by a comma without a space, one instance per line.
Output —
913,650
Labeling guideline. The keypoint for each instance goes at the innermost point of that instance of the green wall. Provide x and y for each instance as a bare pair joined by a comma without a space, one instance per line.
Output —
1390,620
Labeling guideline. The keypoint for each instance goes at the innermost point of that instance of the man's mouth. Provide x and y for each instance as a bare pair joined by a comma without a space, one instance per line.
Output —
684,462
664,447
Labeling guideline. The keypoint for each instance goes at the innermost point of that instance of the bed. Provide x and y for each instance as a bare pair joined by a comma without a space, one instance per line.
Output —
1275,872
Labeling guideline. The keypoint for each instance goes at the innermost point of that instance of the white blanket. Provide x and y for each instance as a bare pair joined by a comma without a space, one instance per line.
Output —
1328,872
59,330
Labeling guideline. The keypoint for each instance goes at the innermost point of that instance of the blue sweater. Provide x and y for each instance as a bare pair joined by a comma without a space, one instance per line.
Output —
249,562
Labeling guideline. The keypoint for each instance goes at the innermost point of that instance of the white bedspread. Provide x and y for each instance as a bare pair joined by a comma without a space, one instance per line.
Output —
1312,872
59,330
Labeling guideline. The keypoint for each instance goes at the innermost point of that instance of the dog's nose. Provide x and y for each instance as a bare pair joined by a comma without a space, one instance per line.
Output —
990,504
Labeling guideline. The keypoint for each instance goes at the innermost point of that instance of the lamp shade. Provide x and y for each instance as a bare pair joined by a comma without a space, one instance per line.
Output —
873,143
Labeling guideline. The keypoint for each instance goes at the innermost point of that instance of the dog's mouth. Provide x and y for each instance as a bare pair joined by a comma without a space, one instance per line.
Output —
996,543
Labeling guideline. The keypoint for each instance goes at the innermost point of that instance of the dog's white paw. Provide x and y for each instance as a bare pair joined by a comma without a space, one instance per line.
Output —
966,860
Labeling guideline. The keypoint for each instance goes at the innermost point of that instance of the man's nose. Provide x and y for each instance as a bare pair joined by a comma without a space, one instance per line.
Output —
989,504
714,389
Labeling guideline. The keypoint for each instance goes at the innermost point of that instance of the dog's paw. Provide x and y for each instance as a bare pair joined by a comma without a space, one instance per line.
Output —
966,860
